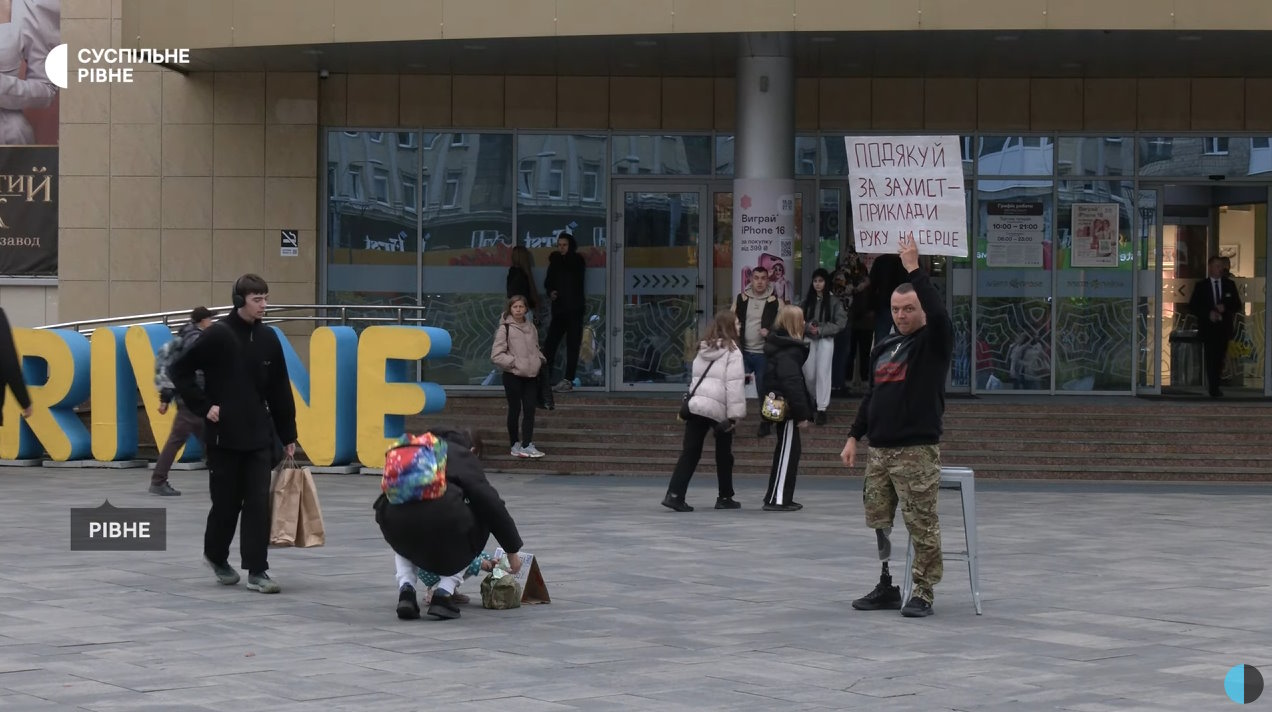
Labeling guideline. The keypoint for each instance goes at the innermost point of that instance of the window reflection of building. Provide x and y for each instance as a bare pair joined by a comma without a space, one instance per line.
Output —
371,189
559,182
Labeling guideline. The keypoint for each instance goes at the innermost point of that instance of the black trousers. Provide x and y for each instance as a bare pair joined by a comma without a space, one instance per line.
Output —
568,324
696,429
781,484
523,395
1215,350
239,481
862,340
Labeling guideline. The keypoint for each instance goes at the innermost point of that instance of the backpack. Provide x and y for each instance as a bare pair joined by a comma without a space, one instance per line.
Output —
168,355
415,469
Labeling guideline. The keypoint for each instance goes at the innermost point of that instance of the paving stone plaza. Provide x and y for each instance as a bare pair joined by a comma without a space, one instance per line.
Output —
1097,598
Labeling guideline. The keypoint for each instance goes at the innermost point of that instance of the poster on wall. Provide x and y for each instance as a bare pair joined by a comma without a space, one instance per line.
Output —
1014,234
28,138
764,233
1095,235
908,185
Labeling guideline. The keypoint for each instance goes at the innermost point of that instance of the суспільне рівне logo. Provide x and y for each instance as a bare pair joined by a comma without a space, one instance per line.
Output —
1244,684
99,66
111,528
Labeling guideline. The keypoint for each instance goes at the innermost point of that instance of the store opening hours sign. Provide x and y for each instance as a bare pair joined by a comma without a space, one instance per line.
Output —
908,186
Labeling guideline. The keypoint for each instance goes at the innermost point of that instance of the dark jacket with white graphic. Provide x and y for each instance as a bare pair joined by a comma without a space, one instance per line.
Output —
906,401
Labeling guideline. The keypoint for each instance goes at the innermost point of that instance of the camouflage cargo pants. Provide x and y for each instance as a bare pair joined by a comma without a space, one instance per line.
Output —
913,476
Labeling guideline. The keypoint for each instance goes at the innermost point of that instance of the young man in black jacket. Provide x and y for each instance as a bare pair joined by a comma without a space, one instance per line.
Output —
566,287
11,369
901,415
247,405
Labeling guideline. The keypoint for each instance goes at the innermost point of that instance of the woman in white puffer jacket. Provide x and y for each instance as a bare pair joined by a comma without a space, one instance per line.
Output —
718,402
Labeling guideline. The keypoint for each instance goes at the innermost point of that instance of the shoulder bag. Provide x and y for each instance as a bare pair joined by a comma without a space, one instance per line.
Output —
684,401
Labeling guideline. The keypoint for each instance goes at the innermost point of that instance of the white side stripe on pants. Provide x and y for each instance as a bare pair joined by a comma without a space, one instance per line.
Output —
784,462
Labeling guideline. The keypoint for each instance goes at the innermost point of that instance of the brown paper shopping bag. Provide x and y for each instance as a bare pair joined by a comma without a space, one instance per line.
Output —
285,495
310,531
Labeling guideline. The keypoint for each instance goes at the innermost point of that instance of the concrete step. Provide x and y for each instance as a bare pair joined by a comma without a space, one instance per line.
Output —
645,468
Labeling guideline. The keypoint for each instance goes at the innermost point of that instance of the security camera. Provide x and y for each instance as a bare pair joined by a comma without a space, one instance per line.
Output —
323,74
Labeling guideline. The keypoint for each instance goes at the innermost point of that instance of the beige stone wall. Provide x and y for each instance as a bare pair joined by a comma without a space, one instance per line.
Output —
173,186
830,104
245,23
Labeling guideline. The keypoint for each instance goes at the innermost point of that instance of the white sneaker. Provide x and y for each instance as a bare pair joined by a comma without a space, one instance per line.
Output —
531,451
518,451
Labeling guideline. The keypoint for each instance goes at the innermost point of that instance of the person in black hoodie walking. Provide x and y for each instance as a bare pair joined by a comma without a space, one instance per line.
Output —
901,414
11,369
564,285
784,354
247,404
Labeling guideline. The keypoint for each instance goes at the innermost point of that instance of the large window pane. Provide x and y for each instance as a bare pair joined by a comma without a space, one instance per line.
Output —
662,155
372,244
1096,156
1014,156
1013,285
806,160
561,181
1203,156
467,186
1095,308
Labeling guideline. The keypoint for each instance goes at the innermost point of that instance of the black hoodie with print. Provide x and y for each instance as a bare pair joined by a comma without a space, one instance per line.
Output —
906,401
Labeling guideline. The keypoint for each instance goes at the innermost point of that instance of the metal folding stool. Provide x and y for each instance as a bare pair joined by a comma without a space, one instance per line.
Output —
962,479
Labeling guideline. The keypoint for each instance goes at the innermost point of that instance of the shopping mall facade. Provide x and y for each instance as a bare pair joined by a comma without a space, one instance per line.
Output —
410,144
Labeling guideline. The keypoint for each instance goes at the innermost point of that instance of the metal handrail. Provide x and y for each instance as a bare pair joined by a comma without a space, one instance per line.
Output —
342,316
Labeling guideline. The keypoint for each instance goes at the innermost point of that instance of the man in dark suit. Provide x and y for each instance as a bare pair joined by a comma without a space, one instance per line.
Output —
1216,304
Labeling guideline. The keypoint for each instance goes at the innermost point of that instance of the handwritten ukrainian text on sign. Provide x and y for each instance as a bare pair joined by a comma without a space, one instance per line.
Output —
907,185
764,232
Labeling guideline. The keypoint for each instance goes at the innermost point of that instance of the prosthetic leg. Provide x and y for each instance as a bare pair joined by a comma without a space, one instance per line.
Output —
885,596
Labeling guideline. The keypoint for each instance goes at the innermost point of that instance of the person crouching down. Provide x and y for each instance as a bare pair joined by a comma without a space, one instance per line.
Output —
436,511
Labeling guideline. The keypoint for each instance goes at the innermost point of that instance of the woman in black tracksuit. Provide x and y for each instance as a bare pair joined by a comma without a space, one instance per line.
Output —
785,353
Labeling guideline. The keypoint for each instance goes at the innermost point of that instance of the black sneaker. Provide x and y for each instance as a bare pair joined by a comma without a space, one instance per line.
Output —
727,503
408,609
916,608
788,507
164,490
671,501
225,575
442,607
885,596
821,418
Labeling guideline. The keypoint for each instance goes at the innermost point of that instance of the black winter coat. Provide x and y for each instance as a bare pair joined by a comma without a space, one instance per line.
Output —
11,367
784,374
243,372
444,535
566,278
519,283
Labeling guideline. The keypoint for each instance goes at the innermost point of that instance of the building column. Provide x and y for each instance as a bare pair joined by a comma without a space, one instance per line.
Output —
764,160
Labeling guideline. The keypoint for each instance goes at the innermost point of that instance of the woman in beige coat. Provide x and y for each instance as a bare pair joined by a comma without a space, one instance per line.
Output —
516,352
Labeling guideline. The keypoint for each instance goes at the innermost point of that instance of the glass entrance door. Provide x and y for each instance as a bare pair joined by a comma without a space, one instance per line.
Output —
1201,222
662,282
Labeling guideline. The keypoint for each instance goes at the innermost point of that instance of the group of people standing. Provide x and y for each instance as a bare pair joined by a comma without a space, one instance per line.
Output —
526,367
788,350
